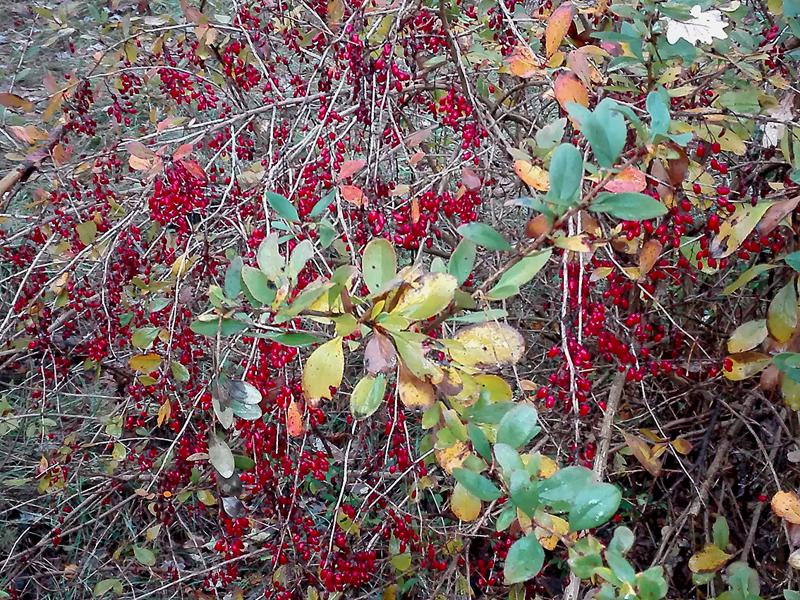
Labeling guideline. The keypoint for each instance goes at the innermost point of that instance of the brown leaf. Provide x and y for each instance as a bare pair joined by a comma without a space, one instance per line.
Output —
557,26
677,168
641,450
568,88
578,63
335,12
13,101
352,194
379,354
470,179
415,210
651,250
350,168
775,214
786,505
28,134
630,179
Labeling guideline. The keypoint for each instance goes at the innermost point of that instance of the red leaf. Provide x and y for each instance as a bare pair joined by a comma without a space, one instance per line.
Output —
350,168
193,168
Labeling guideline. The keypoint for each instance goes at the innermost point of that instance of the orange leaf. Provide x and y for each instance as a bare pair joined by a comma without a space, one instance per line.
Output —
568,88
294,420
557,26
649,255
629,180
61,154
182,151
164,412
350,168
28,134
13,101
194,168
534,176
523,63
786,505
352,194
415,210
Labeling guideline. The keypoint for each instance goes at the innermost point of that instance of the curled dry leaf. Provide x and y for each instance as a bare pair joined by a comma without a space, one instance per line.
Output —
533,175
644,454
379,354
786,505
777,213
557,26
488,345
13,101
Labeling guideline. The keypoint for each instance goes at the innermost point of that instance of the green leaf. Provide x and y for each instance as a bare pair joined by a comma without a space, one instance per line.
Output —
294,340
226,328
506,518
484,235
233,277
144,555
243,463
282,206
508,459
721,532
479,441
477,485
518,275
87,232
524,560
584,557
782,313
524,493
551,134
746,277
258,284
322,205
629,206
144,337
621,568
740,101
367,396
652,585
658,109
248,412
622,541
179,372
566,175
593,505
270,260
604,129
379,263
791,594
301,254
491,314
565,484
518,426
793,260
462,261
107,585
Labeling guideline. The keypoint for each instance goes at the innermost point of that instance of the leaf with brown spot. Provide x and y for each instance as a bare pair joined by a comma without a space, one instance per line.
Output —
630,179
414,393
557,26
568,88
380,355
643,453
350,168
786,505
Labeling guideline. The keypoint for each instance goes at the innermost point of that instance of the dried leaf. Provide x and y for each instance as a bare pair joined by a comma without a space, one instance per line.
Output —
414,393
379,354
523,63
164,412
470,179
13,101
294,420
786,505
644,454
352,194
648,257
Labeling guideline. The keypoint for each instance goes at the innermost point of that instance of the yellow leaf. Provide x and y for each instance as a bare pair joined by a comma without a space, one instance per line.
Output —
682,446
550,530
496,387
547,467
426,297
523,63
323,370
786,505
533,175
206,497
464,505
488,345
709,560
782,313
414,393
790,390
745,365
452,457
747,336
145,363
735,229
164,412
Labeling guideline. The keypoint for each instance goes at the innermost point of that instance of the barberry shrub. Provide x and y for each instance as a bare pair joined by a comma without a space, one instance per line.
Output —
449,299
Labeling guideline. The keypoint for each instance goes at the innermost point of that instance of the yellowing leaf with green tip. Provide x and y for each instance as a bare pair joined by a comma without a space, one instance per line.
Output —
488,345
746,365
427,296
464,505
496,387
323,370
709,560
747,336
